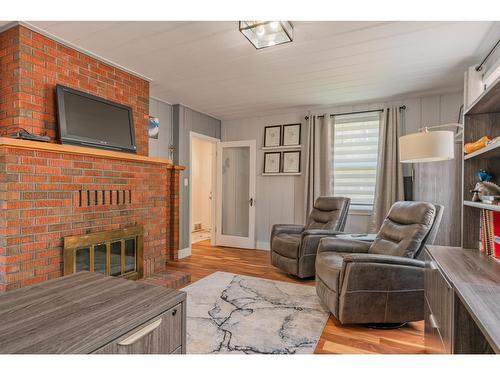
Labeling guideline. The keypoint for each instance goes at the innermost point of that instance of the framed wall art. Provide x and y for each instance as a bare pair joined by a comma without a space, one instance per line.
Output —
272,136
291,162
291,135
153,127
272,162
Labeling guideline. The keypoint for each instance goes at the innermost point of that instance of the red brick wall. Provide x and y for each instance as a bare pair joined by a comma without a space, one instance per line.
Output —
40,189
31,66
10,112
39,198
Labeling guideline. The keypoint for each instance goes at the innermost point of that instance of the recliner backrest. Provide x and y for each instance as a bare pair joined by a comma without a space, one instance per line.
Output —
329,213
431,236
405,229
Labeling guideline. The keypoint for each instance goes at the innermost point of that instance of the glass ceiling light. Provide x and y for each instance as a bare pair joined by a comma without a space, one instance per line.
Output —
264,34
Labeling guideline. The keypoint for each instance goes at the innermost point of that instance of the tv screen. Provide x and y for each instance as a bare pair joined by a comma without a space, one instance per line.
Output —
92,121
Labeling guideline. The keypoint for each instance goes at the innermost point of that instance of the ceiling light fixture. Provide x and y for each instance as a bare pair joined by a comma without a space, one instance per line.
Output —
264,34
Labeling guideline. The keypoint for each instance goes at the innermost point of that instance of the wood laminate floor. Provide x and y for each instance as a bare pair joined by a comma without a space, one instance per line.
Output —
335,339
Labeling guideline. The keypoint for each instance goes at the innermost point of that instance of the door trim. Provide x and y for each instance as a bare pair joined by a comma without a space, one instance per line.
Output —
215,141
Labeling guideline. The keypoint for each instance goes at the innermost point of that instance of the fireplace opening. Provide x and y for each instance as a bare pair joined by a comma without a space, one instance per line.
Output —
117,252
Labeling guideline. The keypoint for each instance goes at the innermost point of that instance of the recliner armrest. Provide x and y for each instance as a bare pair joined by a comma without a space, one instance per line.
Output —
286,228
386,259
343,246
325,232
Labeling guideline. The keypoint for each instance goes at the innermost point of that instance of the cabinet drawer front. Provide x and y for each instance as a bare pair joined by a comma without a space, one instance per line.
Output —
161,335
439,300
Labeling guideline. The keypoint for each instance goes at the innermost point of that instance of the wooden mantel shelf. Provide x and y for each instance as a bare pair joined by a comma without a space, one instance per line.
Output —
78,150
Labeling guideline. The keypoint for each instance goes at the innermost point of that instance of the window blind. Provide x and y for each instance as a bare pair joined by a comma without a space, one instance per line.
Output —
354,158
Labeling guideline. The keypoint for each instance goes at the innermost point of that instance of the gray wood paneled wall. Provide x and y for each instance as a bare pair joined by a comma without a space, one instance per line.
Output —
280,199
176,122
186,120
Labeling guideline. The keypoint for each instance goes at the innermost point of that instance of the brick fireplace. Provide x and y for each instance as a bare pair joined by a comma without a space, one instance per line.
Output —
49,191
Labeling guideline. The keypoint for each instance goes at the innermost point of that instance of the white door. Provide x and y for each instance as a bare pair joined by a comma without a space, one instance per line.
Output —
236,194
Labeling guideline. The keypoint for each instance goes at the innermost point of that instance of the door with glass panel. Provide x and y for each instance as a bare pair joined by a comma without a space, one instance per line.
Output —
236,194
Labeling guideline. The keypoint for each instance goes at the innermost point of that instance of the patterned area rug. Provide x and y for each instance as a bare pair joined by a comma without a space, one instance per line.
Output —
229,313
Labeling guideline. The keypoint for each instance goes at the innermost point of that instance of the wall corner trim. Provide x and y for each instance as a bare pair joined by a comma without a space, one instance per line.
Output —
184,253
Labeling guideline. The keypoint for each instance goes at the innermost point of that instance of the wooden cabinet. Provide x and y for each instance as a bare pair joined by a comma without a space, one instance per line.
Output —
92,313
462,305
438,309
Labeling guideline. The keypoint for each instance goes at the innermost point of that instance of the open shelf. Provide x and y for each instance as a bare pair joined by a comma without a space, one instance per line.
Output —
296,147
489,151
485,206
281,174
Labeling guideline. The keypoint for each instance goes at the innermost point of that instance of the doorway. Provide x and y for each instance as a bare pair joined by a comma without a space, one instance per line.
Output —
202,200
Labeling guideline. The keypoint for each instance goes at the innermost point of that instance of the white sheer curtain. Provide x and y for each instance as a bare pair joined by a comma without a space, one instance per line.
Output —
389,184
318,159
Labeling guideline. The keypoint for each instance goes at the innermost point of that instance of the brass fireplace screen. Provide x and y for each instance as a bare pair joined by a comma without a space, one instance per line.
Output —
116,253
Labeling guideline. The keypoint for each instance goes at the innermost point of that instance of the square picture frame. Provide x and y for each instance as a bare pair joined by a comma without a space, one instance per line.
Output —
272,162
291,162
291,135
272,136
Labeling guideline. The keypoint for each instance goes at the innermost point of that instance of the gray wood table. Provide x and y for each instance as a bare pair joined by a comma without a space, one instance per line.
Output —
92,313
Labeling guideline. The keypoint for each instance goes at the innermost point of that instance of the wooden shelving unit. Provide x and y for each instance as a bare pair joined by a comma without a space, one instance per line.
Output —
484,206
490,151
480,119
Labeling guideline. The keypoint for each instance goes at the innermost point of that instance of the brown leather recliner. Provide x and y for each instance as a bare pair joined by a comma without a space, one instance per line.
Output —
293,247
383,281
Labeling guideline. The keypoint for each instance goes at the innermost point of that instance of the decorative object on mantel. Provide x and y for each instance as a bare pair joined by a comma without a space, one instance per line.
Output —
272,136
291,135
484,188
476,146
291,162
272,162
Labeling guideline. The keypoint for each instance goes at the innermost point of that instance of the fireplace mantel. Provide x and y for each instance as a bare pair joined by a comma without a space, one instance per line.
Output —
79,150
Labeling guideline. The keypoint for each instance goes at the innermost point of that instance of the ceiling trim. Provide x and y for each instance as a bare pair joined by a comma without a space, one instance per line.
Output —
75,47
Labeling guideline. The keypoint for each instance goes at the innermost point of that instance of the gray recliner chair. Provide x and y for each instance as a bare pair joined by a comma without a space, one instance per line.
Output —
293,247
380,282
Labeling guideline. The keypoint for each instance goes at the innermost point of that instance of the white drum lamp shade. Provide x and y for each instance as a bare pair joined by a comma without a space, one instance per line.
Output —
426,146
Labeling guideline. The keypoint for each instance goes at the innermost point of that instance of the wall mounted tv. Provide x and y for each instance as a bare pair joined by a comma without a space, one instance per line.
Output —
89,120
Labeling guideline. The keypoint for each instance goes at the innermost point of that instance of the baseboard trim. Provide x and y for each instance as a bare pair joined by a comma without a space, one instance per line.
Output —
183,253
263,245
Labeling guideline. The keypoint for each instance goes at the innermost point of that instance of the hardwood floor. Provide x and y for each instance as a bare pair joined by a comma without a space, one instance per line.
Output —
335,339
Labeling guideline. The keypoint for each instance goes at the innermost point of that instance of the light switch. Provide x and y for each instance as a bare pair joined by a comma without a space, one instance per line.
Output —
186,182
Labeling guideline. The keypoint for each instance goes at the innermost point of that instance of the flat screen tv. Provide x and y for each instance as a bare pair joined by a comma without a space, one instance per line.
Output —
89,120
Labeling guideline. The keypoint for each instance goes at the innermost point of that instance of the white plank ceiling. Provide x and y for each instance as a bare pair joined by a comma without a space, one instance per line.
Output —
211,67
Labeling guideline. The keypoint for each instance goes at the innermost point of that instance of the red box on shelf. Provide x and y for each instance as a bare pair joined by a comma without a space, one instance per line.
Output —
496,234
